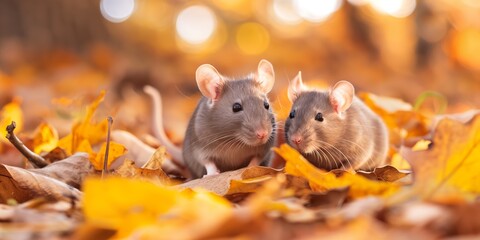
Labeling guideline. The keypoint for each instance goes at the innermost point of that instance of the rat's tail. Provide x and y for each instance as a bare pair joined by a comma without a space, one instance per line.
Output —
158,129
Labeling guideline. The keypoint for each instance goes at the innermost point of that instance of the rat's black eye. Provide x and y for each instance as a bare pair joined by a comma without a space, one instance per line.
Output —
319,117
266,105
237,107
292,114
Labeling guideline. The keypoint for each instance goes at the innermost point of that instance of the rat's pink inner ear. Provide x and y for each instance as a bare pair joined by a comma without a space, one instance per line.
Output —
265,75
209,81
341,96
295,87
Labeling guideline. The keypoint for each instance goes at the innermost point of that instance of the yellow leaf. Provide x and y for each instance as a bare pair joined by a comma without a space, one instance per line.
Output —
247,185
85,146
452,164
115,150
10,112
399,162
323,181
86,129
421,145
93,132
45,138
93,107
66,143
116,202
149,211
399,117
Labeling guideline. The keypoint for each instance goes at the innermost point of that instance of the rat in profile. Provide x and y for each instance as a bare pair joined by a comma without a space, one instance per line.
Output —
232,126
334,129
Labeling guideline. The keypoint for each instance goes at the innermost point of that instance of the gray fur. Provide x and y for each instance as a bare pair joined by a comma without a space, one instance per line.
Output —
358,140
215,133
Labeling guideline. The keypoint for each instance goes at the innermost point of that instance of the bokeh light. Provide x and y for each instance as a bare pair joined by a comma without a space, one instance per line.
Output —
316,10
395,8
466,48
284,11
252,38
472,3
117,10
358,2
196,24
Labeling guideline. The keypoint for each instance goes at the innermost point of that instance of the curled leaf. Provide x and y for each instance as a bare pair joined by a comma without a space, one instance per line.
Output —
22,185
323,181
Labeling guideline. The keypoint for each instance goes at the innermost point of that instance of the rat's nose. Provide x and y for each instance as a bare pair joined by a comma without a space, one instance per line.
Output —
296,139
261,134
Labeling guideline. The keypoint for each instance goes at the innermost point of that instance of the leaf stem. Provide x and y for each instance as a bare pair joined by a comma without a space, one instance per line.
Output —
105,161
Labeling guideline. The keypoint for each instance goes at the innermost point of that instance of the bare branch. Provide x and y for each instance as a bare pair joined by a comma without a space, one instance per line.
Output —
36,160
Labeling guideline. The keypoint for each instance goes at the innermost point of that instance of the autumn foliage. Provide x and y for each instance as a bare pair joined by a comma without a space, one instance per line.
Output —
428,190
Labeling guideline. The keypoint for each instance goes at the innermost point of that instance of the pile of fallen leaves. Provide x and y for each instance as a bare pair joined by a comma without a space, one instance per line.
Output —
429,190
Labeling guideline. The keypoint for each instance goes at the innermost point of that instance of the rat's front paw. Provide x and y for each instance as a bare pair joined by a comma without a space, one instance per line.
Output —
211,169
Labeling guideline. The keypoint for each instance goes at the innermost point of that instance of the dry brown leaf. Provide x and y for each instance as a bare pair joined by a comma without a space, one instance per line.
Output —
140,151
368,228
151,170
331,199
451,165
22,185
386,173
129,170
221,183
55,155
71,170
157,159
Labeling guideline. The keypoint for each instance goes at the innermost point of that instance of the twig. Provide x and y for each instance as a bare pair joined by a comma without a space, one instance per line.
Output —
36,160
105,161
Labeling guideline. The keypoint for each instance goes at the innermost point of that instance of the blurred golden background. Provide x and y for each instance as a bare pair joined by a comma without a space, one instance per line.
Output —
66,50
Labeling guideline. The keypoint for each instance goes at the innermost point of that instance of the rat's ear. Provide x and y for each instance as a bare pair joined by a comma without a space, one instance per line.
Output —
265,75
341,96
209,81
296,87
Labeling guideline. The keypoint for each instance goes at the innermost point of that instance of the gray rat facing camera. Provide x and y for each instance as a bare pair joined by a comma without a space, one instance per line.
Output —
334,129
233,125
